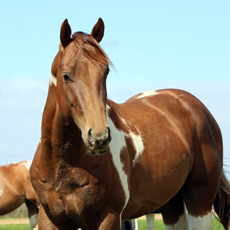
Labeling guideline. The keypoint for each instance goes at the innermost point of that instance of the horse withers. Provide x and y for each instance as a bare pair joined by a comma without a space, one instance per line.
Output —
99,162
16,189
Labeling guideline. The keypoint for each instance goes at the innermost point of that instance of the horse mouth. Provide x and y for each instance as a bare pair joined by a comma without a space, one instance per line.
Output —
97,151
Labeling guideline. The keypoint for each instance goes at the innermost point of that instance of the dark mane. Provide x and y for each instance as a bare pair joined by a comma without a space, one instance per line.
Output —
91,49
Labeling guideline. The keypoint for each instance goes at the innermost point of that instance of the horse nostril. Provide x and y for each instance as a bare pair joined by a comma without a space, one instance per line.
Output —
109,134
90,132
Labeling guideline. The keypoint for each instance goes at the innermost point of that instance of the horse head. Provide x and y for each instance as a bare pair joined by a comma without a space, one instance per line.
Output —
81,68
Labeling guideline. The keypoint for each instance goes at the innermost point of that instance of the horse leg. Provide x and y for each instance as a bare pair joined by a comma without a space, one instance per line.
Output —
44,222
109,220
32,213
199,207
201,186
130,225
150,219
174,215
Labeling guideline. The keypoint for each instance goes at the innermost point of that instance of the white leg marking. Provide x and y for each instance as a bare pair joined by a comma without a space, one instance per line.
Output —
136,225
150,219
27,164
147,93
200,223
182,224
53,80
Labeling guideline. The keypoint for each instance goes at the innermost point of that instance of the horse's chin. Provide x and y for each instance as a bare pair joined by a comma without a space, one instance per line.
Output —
98,151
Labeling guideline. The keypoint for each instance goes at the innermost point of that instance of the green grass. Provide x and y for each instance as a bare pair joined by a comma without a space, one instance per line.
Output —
15,227
160,226
141,226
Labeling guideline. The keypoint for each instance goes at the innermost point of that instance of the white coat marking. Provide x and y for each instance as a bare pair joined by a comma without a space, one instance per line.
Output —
53,80
1,189
139,146
201,223
116,144
182,224
27,164
147,94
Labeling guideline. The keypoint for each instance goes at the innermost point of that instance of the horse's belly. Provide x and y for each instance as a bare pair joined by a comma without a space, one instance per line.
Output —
156,182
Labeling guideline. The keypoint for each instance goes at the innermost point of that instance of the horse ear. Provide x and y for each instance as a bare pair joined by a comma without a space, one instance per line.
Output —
98,30
65,33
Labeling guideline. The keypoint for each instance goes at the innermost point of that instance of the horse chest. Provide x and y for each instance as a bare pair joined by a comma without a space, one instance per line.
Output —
77,189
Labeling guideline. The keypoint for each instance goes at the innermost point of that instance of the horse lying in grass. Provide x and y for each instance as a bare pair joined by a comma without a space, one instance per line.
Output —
99,162
16,189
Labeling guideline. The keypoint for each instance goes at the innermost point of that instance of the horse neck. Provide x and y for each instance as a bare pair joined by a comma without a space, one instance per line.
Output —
59,133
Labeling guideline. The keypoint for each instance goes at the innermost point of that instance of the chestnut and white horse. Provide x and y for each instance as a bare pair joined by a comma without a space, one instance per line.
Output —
16,189
99,162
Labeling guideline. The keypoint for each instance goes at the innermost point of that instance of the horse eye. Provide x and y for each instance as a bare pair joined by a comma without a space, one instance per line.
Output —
67,78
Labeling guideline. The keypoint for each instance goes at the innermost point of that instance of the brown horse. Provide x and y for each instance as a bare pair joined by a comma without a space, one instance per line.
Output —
16,189
99,162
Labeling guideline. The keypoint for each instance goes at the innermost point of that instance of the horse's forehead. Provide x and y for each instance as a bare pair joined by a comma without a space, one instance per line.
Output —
70,55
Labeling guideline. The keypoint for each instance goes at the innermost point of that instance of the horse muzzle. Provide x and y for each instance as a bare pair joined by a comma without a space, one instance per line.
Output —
98,143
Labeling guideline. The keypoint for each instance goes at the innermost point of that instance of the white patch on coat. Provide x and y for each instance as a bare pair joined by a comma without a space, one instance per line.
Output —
138,144
201,223
27,164
182,224
1,189
147,94
53,80
116,144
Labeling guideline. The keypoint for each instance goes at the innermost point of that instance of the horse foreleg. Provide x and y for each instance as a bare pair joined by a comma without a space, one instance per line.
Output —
33,214
44,222
130,225
109,220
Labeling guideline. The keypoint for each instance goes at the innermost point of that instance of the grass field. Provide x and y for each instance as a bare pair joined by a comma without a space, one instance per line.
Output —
141,226
15,227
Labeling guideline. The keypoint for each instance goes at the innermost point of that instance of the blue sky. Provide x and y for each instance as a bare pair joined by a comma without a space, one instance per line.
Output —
153,45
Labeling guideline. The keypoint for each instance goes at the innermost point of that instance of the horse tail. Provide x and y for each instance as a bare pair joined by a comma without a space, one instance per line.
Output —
222,202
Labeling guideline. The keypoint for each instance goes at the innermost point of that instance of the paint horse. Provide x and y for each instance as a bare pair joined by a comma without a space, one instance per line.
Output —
99,162
16,189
